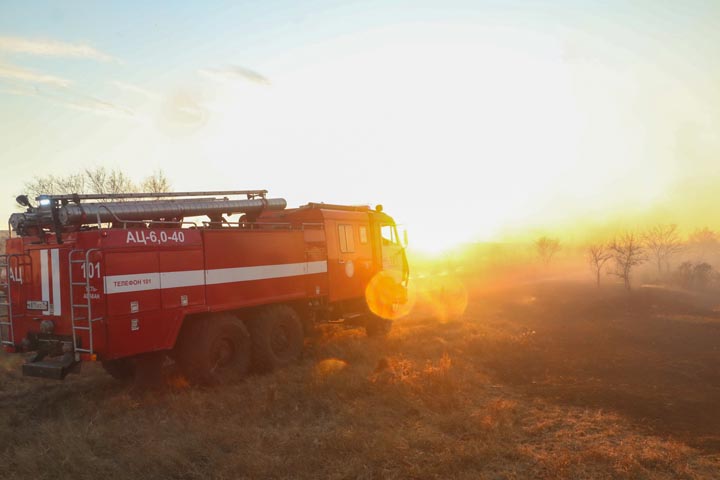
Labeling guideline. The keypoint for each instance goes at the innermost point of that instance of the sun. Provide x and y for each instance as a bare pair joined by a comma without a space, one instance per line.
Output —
437,238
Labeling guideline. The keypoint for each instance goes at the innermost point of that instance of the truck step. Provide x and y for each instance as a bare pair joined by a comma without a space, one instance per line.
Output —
55,369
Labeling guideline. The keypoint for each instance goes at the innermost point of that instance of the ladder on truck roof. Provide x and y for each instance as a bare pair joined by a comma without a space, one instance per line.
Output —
81,322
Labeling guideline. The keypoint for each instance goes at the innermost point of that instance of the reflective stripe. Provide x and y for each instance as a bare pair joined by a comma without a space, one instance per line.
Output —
263,272
138,282
56,295
45,279
189,278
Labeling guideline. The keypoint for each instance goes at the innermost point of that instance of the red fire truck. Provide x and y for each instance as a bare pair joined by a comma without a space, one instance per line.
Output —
131,279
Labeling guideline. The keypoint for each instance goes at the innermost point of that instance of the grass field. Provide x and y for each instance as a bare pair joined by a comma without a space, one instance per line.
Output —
544,380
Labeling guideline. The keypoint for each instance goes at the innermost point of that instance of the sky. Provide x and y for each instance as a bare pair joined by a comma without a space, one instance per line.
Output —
468,121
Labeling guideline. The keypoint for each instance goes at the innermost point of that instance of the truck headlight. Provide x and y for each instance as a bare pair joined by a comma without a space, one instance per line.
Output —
43,201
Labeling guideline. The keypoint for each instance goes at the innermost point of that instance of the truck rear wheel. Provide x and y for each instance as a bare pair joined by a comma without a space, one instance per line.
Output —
214,350
148,370
120,369
277,337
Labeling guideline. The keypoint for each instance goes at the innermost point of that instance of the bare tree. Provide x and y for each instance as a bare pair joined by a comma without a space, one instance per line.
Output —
662,242
546,248
40,185
627,252
703,241
53,185
96,180
597,255
156,183
75,182
114,181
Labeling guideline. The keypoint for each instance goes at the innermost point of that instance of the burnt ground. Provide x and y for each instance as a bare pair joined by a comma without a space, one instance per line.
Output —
550,379
653,355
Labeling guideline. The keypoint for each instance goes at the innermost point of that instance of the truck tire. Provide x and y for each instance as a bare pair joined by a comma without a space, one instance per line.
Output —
148,370
376,326
121,369
277,338
214,350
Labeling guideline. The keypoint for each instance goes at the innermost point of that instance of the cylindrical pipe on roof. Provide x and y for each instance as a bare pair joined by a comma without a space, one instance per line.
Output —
73,214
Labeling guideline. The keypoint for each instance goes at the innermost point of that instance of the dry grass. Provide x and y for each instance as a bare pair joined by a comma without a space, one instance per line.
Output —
544,381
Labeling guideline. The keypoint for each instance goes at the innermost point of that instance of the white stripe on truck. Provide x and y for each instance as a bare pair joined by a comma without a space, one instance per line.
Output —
45,279
191,278
56,296
188,278
263,272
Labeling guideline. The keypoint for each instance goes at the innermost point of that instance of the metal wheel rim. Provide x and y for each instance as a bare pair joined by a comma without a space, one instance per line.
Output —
280,338
223,352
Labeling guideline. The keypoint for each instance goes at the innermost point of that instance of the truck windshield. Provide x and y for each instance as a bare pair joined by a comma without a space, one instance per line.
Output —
389,235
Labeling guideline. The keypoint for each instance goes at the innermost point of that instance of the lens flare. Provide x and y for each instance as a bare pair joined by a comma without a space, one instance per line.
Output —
387,297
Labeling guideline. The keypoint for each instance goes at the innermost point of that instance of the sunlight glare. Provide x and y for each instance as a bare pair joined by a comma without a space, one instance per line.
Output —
387,298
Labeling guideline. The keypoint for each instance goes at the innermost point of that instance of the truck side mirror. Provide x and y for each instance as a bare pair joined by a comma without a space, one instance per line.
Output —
23,200
405,238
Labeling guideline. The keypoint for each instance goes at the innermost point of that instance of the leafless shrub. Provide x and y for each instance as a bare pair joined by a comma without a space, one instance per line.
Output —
696,276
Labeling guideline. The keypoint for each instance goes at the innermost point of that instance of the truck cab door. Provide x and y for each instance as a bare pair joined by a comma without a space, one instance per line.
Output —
392,253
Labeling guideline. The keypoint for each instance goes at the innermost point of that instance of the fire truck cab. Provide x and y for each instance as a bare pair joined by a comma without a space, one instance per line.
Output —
131,279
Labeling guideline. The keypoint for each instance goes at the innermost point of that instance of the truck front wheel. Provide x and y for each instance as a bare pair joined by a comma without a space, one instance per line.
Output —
376,326
214,350
277,337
